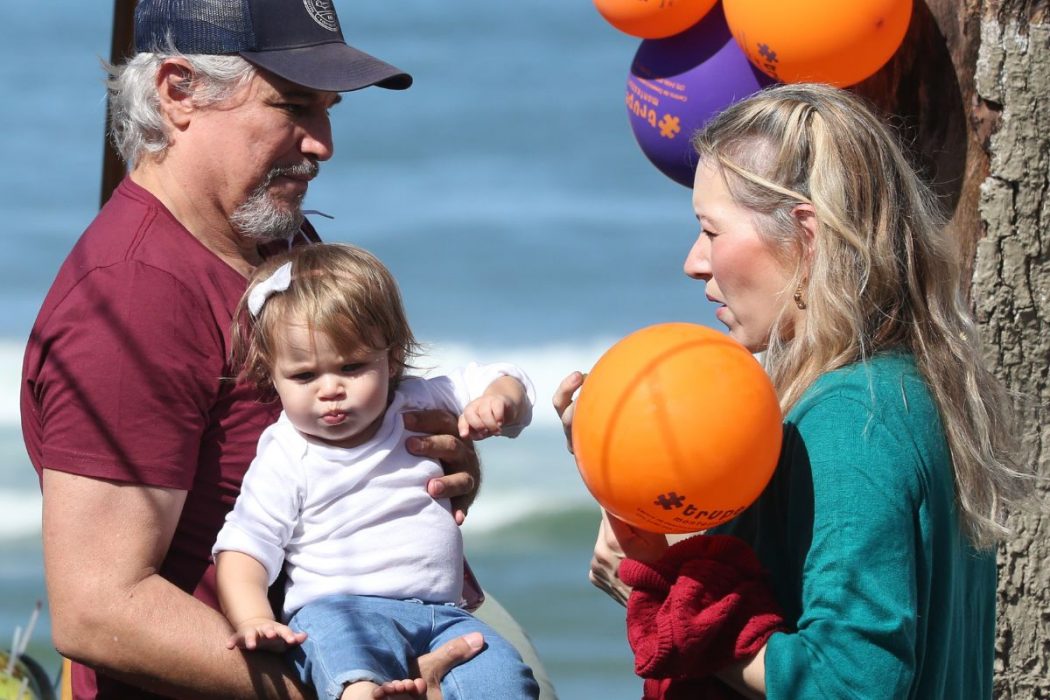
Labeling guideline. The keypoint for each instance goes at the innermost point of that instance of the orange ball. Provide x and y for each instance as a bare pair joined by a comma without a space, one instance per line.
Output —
840,42
676,429
653,19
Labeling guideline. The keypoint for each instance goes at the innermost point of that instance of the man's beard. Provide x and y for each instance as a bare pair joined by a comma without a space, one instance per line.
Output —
261,218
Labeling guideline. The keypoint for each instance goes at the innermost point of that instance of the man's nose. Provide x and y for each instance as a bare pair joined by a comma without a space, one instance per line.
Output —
317,140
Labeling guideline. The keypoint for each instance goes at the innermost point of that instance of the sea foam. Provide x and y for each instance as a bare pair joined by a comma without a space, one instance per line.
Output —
546,365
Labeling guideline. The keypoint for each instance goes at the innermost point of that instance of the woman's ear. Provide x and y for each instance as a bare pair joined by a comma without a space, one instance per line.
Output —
174,81
806,217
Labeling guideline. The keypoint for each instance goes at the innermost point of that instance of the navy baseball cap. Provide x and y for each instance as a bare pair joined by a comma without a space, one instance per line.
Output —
298,40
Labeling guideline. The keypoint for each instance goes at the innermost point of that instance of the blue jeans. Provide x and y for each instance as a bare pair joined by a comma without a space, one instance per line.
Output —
363,638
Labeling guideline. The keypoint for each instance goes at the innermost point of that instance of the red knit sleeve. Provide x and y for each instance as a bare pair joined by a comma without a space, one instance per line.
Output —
704,605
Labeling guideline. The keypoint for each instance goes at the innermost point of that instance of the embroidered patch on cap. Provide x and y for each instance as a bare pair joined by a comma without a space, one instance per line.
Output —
323,13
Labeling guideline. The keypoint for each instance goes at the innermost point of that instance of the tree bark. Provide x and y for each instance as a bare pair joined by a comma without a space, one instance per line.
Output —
970,88
1011,288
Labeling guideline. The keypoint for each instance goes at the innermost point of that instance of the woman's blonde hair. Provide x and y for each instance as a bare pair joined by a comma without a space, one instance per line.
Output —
339,290
880,273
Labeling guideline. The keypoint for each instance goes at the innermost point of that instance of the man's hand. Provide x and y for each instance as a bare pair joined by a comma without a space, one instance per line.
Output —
434,666
457,456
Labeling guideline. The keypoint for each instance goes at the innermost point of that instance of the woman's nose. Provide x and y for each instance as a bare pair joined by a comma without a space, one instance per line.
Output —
697,262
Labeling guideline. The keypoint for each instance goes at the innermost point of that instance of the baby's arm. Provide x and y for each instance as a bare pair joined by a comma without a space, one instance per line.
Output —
242,593
504,401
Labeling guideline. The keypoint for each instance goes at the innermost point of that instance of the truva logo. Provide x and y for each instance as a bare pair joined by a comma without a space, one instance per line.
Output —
692,513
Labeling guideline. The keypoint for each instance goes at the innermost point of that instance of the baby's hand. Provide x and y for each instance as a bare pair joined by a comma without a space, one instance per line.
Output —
264,635
484,417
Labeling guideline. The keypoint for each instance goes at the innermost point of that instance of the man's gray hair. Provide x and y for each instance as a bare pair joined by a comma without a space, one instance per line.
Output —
137,127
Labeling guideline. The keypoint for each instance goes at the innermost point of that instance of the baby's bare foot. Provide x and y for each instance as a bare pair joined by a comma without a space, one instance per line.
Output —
401,690
361,690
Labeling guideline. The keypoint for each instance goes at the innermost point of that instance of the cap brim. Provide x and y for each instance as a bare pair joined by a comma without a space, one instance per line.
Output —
333,67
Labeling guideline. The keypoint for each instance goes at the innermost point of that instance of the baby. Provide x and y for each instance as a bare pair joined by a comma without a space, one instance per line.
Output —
375,568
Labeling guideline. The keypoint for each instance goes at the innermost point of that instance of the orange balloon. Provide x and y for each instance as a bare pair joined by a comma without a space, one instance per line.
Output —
676,429
653,19
840,42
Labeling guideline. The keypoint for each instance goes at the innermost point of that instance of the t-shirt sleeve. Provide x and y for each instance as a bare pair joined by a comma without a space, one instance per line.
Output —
856,633
453,391
264,517
131,366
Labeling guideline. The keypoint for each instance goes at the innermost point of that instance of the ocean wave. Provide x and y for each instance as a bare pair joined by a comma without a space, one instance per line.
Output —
493,514
547,365
10,379
21,511
497,512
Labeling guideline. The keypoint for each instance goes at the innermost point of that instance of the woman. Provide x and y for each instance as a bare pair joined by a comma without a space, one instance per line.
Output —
825,252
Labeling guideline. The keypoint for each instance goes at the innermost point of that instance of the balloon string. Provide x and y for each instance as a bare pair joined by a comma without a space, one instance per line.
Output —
20,641
11,657
29,629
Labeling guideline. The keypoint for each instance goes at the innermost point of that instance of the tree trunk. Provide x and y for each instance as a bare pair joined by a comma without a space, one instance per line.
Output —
1011,288
970,88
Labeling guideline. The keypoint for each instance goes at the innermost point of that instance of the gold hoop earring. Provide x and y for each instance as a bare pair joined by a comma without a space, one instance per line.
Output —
799,301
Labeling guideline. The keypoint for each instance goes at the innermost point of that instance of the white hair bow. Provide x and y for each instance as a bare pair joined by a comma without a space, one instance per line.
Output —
279,281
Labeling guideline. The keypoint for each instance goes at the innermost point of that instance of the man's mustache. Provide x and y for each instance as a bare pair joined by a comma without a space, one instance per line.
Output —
307,169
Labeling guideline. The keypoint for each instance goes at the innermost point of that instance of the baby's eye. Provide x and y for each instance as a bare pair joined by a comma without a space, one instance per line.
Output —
354,367
303,376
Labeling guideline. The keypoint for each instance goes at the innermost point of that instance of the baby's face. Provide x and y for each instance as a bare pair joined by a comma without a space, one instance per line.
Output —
329,394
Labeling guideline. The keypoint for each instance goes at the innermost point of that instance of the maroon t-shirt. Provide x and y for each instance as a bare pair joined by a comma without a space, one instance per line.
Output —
125,378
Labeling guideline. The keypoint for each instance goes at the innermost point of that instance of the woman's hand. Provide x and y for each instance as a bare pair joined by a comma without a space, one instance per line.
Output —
616,541
564,405
457,456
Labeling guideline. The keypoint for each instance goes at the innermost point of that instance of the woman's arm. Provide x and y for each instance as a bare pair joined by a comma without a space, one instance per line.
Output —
747,677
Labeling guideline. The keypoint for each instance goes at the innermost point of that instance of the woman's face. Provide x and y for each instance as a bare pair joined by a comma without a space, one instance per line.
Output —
742,275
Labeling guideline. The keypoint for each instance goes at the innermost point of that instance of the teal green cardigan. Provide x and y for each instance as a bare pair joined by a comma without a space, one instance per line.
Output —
861,536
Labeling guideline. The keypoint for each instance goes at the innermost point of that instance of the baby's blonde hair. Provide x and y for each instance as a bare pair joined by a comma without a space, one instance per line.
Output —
340,290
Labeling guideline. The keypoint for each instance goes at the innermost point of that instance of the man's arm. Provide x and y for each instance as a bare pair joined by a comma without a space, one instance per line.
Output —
111,610
103,546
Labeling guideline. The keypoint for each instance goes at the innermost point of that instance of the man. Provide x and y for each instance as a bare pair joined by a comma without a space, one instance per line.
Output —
129,415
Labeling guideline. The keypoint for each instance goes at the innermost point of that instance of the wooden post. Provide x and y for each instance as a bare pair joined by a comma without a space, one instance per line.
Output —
121,46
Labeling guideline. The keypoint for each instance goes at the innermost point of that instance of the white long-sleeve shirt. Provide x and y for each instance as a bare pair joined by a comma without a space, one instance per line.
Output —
359,520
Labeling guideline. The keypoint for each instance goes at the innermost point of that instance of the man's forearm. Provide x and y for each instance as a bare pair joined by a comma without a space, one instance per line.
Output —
159,638
104,542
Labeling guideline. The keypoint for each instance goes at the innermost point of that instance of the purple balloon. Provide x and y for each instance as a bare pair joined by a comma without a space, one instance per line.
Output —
677,84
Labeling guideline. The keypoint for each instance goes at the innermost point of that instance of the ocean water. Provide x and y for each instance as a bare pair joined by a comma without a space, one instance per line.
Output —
505,191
